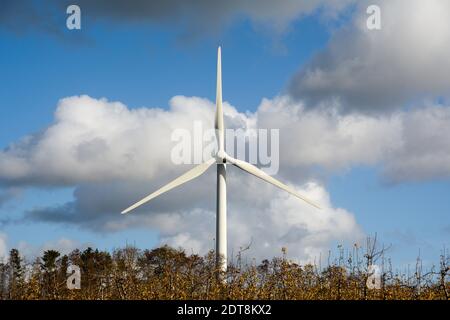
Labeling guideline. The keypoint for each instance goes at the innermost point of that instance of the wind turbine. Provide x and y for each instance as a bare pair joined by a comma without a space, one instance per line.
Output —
221,158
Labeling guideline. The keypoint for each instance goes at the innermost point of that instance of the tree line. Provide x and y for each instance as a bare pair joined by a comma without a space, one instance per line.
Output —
168,273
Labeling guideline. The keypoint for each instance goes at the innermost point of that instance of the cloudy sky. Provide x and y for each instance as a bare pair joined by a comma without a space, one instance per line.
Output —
86,118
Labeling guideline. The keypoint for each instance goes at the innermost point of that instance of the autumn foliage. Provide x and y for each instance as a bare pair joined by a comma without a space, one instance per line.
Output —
167,273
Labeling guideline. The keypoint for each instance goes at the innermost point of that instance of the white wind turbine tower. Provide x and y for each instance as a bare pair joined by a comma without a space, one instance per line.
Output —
221,158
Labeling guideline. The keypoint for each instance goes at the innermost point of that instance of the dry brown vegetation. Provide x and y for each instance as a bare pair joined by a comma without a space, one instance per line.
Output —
167,273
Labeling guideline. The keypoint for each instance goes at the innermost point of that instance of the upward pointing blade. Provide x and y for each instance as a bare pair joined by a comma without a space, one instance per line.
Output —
219,126
264,176
188,176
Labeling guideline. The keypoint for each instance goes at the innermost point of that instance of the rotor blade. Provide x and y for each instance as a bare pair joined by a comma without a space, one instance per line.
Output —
219,126
191,174
264,176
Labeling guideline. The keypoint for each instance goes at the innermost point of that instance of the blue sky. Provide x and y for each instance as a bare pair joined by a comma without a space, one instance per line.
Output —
146,65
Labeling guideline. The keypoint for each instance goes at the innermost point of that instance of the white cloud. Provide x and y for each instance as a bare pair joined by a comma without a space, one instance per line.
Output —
425,149
327,139
3,247
407,145
282,221
382,70
96,140
114,155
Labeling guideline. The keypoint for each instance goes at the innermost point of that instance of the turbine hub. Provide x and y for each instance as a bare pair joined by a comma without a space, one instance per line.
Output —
221,156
